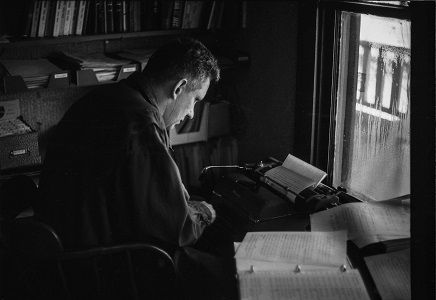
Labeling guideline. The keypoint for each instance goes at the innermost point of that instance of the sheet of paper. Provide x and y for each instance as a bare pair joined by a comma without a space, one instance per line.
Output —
366,222
289,179
294,248
391,274
306,286
304,169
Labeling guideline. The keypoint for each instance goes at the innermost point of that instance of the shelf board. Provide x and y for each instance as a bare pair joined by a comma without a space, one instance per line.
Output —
27,42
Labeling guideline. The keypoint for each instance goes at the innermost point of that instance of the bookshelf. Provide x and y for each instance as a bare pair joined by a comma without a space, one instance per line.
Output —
30,42
43,107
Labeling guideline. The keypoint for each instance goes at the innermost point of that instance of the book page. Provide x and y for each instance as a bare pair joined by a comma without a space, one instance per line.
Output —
391,274
295,174
366,223
292,248
306,286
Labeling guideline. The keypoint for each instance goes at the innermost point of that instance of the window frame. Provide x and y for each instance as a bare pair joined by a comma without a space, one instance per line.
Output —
326,73
314,121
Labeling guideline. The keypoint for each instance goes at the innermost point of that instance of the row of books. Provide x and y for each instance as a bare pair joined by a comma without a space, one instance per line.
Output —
63,18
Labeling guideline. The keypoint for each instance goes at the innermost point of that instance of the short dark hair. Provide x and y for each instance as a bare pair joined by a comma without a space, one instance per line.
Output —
184,57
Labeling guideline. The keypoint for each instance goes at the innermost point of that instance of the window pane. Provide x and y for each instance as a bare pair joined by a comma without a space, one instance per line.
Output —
372,144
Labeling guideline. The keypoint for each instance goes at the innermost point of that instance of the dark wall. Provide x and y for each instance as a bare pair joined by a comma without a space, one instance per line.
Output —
266,91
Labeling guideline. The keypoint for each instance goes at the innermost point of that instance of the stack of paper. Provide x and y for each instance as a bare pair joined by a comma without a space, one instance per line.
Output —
105,68
140,56
297,265
366,223
35,72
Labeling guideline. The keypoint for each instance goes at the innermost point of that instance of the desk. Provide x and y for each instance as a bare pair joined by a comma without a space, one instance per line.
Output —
244,205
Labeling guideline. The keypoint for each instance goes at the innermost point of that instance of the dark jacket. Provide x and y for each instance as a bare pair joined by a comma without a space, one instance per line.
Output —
108,175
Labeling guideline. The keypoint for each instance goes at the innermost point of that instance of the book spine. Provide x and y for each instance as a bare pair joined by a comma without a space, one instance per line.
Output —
57,18
192,14
42,18
167,12
137,15
244,14
62,19
143,13
29,18
100,11
118,16
68,15
86,18
177,14
110,16
80,17
187,15
219,20
197,14
104,25
124,16
156,14
211,16
50,19
94,17
131,16
35,18
73,23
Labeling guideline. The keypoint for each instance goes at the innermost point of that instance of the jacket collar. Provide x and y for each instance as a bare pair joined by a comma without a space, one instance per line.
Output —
138,81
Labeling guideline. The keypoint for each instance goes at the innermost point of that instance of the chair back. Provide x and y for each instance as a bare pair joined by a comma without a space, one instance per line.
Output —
127,271
16,195
32,239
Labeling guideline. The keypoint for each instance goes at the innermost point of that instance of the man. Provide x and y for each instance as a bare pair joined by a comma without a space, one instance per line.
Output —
109,176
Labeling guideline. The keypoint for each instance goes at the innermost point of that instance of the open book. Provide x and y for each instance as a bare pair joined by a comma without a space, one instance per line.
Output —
297,265
293,176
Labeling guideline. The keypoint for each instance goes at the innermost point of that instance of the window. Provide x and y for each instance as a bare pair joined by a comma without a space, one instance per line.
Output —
371,157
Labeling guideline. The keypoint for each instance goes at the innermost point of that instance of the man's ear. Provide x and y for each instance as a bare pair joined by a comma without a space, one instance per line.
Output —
179,86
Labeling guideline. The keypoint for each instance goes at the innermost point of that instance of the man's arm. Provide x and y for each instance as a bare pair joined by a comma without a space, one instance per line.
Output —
162,202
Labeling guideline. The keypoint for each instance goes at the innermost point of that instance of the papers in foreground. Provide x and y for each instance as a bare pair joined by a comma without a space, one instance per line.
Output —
262,251
311,285
296,265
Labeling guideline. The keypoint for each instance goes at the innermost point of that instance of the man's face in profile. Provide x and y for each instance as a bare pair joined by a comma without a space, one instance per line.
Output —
184,104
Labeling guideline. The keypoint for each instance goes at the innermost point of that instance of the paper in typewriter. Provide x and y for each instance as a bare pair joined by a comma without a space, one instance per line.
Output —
305,286
285,250
295,174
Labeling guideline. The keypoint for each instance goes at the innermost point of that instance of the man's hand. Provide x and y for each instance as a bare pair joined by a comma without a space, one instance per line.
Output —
205,211
211,210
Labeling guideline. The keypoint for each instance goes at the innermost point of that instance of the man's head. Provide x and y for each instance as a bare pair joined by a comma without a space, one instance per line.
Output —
182,71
